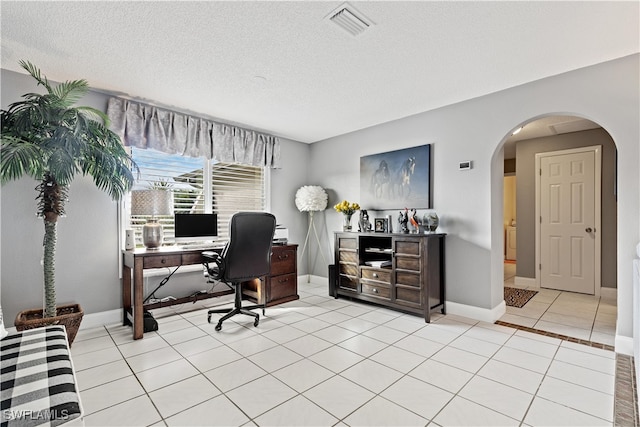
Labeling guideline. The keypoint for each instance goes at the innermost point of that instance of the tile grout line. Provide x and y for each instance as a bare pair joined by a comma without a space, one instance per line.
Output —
625,393
358,333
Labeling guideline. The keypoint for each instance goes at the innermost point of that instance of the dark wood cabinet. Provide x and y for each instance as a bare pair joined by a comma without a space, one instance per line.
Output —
400,271
282,284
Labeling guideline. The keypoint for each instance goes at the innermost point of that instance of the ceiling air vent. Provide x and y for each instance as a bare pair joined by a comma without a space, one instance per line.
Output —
573,126
347,18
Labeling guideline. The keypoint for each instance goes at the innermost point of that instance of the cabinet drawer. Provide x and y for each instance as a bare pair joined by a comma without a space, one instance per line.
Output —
283,286
405,263
188,259
348,283
376,274
348,256
283,262
162,261
375,290
407,278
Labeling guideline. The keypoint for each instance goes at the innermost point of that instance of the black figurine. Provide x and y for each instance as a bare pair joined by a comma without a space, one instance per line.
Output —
364,224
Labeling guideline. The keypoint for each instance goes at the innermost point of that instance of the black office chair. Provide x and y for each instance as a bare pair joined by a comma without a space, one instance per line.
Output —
246,256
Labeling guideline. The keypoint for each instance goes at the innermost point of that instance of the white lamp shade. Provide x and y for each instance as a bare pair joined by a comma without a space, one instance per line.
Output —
311,198
151,202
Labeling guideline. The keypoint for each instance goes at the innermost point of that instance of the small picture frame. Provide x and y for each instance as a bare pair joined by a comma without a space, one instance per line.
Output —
381,225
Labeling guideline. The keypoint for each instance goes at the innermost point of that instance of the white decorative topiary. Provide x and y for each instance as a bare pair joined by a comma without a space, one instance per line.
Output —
311,198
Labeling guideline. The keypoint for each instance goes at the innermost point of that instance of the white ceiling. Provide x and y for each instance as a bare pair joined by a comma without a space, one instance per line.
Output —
283,68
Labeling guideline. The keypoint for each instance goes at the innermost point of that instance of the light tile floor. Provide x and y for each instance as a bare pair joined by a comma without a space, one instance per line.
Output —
566,313
322,361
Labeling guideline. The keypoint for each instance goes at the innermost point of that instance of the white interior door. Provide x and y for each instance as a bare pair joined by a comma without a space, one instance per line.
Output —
569,220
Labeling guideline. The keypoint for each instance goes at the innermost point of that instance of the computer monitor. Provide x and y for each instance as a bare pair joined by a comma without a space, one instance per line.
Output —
195,227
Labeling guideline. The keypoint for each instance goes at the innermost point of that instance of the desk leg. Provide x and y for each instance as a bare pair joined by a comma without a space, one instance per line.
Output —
138,287
126,294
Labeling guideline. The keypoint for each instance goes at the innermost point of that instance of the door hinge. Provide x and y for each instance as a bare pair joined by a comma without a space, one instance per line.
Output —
539,266
540,171
540,219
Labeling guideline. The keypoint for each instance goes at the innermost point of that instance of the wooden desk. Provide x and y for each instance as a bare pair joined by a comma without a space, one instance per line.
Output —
136,261
280,286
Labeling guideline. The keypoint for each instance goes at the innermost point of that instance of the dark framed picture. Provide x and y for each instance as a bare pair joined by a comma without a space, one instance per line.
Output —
381,225
396,179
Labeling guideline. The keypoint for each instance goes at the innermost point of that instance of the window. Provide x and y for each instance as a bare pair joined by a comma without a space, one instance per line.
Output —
198,186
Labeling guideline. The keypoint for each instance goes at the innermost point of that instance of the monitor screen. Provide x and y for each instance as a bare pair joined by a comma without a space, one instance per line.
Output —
195,227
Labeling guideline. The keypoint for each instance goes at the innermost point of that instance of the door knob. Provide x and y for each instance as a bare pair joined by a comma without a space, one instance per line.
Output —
588,230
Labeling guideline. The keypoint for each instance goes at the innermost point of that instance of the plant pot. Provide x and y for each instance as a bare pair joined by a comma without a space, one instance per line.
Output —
68,315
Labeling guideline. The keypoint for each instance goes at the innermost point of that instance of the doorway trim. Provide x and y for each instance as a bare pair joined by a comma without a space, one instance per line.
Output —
597,150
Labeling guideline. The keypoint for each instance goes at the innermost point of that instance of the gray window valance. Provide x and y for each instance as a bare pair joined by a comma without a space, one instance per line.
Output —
146,126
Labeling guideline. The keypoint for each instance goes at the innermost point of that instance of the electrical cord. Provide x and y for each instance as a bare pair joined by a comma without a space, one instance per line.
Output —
161,284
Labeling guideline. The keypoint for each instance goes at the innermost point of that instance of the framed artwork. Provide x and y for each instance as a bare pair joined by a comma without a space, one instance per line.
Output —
396,179
381,225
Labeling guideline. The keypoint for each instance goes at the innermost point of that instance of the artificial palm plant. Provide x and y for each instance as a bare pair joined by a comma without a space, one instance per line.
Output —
50,139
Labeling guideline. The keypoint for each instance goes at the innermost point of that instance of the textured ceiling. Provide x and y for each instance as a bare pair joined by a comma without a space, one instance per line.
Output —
283,68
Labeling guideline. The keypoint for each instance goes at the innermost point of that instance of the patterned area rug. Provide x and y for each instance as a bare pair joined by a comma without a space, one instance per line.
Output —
515,297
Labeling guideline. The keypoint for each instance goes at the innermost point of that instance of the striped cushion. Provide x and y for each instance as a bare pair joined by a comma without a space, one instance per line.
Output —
37,379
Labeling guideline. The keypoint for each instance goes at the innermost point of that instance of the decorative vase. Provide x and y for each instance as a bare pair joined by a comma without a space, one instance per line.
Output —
346,224
430,221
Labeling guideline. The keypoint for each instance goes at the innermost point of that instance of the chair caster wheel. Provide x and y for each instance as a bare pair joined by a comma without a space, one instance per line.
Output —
209,318
218,327
255,322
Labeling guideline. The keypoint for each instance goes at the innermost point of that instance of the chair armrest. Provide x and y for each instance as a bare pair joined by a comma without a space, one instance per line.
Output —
216,271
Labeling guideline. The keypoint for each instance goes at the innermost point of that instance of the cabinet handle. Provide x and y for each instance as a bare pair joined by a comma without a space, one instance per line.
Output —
283,256
375,275
163,261
283,280
375,291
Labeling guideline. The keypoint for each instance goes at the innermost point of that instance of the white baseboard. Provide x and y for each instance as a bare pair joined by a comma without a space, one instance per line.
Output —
477,313
525,281
609,293
95,320
624,345
310,278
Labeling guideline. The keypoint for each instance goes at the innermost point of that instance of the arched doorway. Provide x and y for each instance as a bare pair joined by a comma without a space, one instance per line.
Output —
590,316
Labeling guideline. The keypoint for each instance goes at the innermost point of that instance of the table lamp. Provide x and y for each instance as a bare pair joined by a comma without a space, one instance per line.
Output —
152,202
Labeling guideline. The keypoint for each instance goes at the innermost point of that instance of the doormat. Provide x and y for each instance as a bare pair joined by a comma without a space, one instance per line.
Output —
515,297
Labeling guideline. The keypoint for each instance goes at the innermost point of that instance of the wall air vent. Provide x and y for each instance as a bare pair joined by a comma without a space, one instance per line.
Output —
347,18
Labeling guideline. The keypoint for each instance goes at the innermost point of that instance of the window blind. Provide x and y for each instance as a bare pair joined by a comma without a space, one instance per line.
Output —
198,186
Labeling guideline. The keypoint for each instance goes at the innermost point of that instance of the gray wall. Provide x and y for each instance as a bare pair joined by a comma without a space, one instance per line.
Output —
469,203
526,202
87,256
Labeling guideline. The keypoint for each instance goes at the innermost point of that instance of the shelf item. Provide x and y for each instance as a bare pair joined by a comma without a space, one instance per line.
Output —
399,271
378,264
379,250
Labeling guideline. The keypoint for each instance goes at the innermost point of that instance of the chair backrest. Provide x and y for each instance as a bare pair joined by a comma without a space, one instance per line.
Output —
248,253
